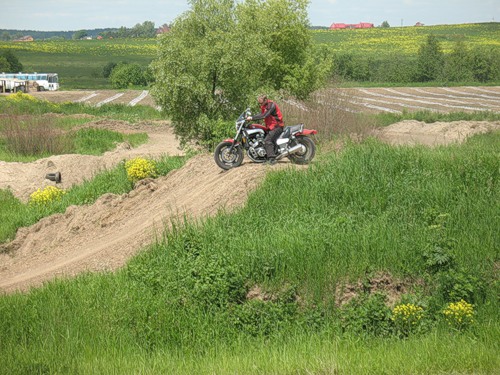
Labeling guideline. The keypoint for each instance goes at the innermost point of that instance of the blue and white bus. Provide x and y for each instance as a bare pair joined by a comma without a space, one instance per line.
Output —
40,81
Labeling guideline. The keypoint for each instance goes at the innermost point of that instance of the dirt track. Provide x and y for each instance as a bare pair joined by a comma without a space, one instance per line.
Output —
373,100
103,236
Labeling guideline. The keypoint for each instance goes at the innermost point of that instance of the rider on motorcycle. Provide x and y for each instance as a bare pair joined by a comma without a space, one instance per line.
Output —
273,119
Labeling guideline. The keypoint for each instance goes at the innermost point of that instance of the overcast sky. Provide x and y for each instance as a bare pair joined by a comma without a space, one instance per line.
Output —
69,15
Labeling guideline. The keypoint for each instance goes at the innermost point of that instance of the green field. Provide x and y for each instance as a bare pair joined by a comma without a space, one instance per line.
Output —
407,40
79,63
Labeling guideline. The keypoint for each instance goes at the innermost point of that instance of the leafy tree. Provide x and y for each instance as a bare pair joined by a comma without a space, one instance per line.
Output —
79,34
485,66
14,64
430,60
146,30
108,68
458,64
220,53
125,75
5,36
4,64
352,67
385,24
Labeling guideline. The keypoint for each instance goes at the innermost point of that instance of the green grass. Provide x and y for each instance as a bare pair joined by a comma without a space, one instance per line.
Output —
92,141
180,306
15,214
89,141
79,63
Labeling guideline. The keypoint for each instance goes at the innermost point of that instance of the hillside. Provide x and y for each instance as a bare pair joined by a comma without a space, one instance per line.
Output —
105,235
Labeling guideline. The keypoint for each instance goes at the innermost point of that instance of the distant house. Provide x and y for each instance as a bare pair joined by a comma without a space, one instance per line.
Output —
361,25
27,38
163,29
419,24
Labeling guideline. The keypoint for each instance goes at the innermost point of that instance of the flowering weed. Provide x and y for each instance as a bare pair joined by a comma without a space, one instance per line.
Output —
46,195
407,318
139,169
459,315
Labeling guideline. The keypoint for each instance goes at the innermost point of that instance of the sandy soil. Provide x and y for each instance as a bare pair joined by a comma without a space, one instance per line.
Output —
104,235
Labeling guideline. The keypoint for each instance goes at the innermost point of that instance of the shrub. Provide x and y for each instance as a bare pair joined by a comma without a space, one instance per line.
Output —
262,318
459,315
14,64
429,60
484,64
108,69
125,75
139,169
367,315
455,285
407,318
46,196
438,254
458,64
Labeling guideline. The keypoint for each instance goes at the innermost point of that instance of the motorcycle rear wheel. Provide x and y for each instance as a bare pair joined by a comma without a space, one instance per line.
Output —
306,156
228,156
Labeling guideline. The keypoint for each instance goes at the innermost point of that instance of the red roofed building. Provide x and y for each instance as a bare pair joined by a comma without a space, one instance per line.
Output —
361,25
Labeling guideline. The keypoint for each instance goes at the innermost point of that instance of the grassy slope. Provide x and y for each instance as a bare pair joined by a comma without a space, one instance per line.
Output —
180,307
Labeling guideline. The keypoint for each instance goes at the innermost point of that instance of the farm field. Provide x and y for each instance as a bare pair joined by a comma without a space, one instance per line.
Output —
357,100
406,40
80,63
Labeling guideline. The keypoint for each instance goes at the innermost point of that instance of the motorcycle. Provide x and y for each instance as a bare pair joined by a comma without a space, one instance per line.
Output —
293,143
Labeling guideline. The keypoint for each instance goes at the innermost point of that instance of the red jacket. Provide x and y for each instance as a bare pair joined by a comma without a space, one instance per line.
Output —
271,114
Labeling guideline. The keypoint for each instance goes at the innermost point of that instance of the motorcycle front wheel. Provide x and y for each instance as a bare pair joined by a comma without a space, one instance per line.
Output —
228,156
306,156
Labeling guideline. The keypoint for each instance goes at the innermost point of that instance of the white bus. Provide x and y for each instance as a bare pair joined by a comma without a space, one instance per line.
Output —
40,81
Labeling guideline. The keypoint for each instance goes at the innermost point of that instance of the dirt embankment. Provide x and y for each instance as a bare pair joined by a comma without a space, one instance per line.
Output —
104,235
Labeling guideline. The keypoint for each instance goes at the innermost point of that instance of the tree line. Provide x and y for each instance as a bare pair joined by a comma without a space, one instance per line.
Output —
462,64
147,29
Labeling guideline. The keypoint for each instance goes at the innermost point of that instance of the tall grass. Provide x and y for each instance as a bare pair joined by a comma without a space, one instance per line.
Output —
27,138
33,136
183,305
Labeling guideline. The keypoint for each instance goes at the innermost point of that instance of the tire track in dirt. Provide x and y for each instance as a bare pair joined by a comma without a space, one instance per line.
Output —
374,100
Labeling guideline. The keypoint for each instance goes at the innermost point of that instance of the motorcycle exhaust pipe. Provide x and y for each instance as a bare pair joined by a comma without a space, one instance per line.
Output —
293,150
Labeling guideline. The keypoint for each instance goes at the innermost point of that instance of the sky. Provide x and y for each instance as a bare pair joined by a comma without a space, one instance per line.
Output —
71,15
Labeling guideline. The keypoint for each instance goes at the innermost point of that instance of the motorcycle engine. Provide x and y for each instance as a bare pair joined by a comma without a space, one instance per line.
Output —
256,149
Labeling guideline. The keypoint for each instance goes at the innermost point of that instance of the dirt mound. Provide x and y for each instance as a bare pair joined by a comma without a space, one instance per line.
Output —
412,132
104,235
25,178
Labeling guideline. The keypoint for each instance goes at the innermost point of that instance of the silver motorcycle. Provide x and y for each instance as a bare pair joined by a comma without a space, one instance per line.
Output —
293,143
